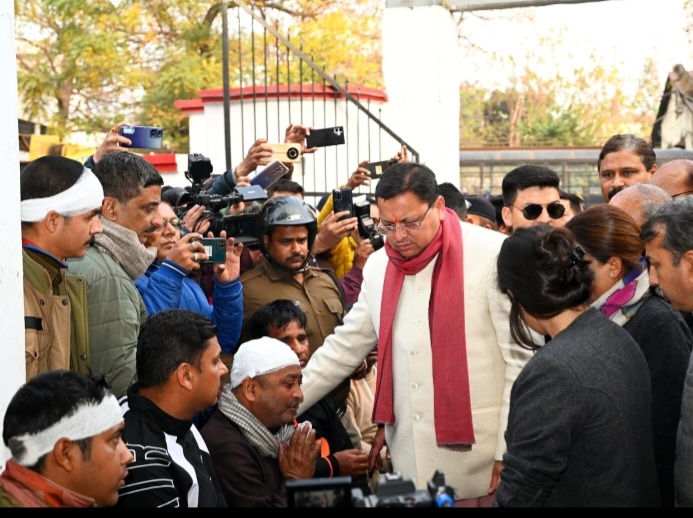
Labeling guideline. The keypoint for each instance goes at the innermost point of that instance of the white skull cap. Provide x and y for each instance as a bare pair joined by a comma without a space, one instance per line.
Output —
260,356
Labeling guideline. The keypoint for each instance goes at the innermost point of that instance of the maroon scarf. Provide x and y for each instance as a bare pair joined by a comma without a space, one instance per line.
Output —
452,402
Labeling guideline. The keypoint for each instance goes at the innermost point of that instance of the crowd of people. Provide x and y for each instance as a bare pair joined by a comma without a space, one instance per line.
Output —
534,350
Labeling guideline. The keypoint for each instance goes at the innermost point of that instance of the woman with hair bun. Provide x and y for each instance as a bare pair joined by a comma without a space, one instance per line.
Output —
579,432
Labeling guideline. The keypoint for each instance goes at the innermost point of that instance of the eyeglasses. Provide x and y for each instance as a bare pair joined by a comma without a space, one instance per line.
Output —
681,193
532,211
406,225
175,222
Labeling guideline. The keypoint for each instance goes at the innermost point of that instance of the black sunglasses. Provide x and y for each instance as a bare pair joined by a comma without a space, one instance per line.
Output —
532,211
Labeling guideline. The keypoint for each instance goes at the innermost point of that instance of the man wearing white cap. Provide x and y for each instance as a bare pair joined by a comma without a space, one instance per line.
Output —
60,204
64,430
254,443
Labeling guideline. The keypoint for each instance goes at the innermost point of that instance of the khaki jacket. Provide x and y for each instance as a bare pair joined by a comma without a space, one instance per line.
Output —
56,335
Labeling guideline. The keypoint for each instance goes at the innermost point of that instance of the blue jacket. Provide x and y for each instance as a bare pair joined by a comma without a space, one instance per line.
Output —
167,285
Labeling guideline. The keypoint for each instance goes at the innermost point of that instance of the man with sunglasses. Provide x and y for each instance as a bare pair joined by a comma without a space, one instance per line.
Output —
446,361
531,197
675,177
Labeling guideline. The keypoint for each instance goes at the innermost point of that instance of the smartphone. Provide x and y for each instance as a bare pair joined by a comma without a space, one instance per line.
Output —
286,152
378,168
325,137
270,174
143,137
342,200
215,248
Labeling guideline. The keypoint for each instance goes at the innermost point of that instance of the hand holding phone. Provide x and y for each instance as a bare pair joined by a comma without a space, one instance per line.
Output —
325,137
342,199
143,137
270,174
215,248
378,168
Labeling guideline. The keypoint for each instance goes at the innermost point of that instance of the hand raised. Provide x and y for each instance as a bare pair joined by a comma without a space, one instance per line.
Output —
297,458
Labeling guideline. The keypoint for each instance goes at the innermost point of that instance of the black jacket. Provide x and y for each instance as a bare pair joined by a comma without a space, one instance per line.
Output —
172,466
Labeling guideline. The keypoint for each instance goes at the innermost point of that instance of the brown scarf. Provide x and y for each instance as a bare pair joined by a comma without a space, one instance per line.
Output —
452,402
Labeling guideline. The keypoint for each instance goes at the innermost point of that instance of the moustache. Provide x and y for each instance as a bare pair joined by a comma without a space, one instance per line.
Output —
613,192
298,256
294,404
149,229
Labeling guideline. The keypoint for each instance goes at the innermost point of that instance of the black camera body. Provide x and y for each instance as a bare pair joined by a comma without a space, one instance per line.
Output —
246,228
362,212
394,490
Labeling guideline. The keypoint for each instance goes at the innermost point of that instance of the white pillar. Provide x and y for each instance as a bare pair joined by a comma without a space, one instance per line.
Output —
13,370
420,71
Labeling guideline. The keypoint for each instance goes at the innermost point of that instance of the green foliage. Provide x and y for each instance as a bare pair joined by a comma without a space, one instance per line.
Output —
83,64
582,108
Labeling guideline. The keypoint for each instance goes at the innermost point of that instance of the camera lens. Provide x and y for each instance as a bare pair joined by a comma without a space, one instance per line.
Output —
292,153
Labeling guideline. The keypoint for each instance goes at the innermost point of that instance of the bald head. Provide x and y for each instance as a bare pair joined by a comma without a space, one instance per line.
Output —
675,177
640,200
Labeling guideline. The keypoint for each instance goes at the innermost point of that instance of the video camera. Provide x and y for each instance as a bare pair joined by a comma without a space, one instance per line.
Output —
362,211
394,490
245,228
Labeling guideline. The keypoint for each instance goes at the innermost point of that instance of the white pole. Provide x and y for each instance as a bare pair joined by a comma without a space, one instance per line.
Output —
12,367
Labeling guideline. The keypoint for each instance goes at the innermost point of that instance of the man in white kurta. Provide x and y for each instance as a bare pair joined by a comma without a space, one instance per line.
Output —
494,359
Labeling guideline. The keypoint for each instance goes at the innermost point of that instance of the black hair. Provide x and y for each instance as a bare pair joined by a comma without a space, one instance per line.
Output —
278,313
674,220
46,399
123,175
542,272
629,142
497,202
47,176
167,339
575,200
285,185
454,199
529,175
408,176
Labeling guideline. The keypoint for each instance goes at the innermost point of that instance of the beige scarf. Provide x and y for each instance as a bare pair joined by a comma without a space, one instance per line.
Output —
124,246
252,429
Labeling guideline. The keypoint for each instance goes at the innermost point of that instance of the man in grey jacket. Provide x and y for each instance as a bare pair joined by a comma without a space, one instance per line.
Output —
669,247
132,192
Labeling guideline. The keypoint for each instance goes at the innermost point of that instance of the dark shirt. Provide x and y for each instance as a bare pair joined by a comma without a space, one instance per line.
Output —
666,342
247,478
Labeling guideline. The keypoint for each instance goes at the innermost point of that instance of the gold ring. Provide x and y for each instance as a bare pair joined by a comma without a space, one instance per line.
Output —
114,130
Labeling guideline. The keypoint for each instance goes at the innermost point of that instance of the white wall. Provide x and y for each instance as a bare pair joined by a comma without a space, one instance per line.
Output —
420,59
11,305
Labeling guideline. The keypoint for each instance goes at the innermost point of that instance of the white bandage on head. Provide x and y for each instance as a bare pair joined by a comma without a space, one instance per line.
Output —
85,195
88,420
260,356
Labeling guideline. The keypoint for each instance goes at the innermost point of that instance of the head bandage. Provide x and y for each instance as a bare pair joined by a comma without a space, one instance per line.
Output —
260,356
85,195
88,420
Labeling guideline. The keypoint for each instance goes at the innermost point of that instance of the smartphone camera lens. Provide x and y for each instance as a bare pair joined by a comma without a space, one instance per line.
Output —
292,153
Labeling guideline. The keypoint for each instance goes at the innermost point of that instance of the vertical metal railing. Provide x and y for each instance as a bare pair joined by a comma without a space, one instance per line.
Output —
315,99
